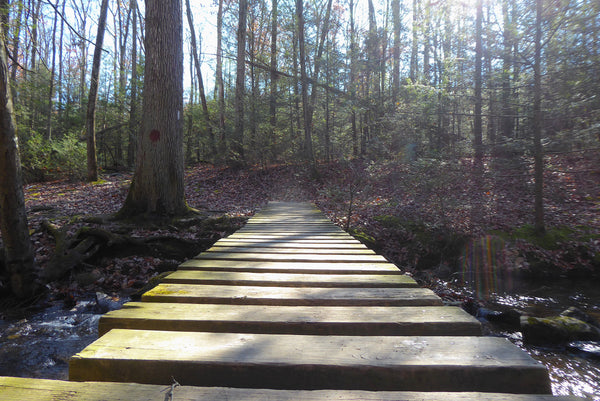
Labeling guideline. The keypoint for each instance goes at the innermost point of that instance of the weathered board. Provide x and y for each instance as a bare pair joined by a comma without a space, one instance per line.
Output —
291,296
291,235
289,267
21,389
486,364
299,243
316,320
289,279
288,250
273,257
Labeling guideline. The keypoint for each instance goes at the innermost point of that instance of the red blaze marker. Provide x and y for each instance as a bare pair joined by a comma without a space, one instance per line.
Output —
155,135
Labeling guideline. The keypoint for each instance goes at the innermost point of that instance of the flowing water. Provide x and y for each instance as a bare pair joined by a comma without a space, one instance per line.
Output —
574,369
41,344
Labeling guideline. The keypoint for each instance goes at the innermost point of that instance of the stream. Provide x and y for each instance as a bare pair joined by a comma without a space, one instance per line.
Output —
41,344
574,369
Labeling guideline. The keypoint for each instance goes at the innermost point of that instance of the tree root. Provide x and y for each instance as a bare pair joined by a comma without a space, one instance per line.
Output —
90,244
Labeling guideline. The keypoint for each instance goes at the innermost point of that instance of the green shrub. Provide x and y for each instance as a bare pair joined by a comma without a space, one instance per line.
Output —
43,160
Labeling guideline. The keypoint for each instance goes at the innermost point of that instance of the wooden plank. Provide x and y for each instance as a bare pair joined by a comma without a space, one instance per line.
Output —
272,257
328,226
488,364
25,389
335,243
290,279
312,320
290,250
289,267
297,234
291,296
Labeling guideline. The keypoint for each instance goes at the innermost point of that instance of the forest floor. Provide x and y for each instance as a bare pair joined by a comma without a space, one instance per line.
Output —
430,217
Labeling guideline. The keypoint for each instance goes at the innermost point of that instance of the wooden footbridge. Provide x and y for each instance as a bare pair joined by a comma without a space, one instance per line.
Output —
291,308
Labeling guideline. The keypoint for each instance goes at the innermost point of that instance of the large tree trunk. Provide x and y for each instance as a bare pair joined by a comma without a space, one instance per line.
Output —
538,150
90,121
19,258
157,187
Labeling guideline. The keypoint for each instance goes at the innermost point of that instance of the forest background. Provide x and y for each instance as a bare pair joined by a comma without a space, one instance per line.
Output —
422,126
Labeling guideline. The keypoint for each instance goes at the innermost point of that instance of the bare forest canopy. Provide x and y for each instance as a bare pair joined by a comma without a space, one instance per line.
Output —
386,79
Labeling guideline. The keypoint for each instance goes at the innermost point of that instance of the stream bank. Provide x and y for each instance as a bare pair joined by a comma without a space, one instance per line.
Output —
574,368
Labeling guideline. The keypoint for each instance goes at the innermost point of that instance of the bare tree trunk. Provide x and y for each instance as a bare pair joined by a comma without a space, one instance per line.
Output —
507,120
59,87
414,62
205,113
538,150
273,72
353,80
52,74
18,252
90,122
157,188
34,62
133,127
17,35
477,125
396,50
318,61
122,43
219,86
238,141
308,148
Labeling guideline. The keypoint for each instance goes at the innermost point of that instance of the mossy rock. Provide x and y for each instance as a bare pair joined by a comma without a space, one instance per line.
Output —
556,330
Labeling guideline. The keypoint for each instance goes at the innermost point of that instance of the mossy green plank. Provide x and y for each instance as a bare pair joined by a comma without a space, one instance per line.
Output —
289,279
25,389
384,363
291,296
289,267
313,320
